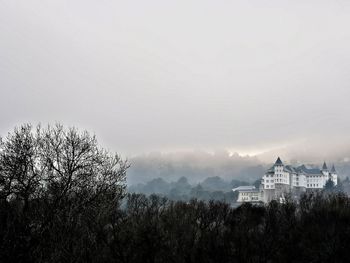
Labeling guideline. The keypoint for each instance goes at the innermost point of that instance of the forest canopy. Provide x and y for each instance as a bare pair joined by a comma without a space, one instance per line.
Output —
64,199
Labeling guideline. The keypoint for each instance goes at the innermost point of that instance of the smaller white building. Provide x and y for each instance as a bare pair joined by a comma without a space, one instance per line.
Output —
248,194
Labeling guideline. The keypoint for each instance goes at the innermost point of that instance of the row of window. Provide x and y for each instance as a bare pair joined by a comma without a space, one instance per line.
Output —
315,176
312,181
276,180
247,194
296,175
297,184
254,198
313,185
280,175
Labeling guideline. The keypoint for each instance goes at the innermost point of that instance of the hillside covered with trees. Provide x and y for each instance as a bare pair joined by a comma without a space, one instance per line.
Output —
64,199
211,188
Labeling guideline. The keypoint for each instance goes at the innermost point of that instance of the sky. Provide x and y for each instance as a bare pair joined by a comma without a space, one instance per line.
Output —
251,77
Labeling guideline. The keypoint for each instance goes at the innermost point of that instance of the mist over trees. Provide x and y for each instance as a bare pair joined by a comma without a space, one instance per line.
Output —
195,166
64,199
211,188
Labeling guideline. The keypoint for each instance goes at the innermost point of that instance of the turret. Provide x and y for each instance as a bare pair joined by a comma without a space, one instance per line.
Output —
333,175
325,169
333,171
278,162
278,167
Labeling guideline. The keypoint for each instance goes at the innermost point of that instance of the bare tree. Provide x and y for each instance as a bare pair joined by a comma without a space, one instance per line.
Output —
64,187
58,161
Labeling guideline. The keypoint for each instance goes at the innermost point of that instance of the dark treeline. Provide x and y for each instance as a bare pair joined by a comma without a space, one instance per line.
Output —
63,199
153,229
212,188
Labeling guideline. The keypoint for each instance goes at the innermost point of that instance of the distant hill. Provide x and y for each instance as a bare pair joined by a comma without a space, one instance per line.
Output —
211,188
195,166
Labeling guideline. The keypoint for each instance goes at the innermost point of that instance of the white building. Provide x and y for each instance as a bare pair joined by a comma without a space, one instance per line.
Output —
248,194
281,180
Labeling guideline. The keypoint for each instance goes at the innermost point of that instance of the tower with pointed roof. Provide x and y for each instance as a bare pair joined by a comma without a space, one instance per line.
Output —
333,175
325,169
280,182
278,167
278,162
333,171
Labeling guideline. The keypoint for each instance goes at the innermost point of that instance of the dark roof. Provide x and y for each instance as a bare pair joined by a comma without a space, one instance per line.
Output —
246,188
289,168
270,171
324,167
278,161
306,170
313,171
300,169
333,169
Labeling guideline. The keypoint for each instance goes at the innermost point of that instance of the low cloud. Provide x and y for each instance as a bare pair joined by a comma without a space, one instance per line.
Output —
195,165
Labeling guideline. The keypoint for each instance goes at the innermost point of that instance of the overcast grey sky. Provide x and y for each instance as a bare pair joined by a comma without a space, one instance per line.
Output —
248,76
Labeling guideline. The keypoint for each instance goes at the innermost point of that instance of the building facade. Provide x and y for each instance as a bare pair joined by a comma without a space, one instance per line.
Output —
282,180
248,194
